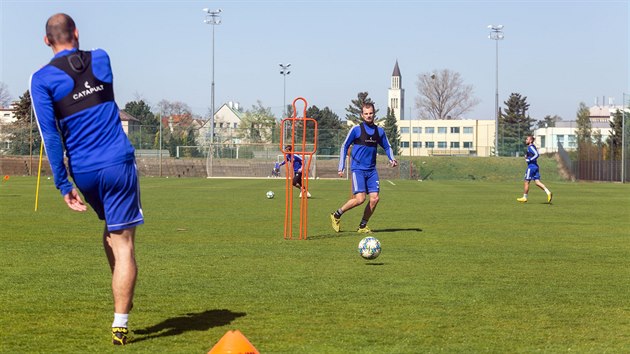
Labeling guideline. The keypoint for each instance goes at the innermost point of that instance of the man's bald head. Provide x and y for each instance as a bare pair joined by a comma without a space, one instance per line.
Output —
61,30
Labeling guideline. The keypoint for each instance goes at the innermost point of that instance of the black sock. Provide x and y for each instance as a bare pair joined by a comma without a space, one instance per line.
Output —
363,223
338,213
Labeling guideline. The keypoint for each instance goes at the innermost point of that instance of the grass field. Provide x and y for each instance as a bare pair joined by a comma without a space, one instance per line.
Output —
464,268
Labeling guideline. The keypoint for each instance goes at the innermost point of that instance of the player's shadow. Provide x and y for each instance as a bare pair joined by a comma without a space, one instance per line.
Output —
416,229
200,321
354,233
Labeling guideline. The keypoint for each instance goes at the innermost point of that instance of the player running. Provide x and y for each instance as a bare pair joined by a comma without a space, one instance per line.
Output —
532,172
365,137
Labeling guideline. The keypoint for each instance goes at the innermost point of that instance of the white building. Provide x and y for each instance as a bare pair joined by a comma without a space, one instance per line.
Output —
564,132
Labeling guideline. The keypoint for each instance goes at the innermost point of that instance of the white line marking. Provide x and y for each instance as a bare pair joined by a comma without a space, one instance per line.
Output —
392,183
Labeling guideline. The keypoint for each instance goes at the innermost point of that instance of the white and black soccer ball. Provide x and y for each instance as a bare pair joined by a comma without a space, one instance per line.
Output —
369,247
270,195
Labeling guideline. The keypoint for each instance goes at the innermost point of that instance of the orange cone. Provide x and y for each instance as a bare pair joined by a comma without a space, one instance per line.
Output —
233,342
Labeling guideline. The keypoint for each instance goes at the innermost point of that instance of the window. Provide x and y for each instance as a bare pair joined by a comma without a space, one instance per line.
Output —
542,141
429,144
572,141
442,144
561,139
441,130
468,130
454,144
404,144
417,130
429,130
468,145
417,144
404,130
454,130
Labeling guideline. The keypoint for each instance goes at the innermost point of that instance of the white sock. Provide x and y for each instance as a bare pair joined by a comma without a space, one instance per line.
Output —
547,191
525,196
120,320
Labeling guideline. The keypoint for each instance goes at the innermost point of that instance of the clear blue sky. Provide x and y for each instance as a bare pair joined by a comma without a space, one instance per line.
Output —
557,53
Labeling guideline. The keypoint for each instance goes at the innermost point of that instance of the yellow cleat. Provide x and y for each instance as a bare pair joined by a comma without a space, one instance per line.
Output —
364,230
549,197
521,200
336,223
120,335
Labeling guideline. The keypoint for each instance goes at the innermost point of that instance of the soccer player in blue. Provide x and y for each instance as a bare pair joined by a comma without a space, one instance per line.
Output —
365,139
297,170
532,172
73,100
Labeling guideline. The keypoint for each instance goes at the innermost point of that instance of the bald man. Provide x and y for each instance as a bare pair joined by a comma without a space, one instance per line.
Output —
73,100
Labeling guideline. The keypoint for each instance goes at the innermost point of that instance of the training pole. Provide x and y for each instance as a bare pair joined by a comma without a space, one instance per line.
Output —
39,172
301,134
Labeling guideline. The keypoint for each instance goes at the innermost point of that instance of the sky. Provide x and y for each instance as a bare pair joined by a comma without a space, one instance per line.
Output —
555,53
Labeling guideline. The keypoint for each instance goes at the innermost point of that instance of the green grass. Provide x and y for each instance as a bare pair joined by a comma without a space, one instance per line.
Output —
464,268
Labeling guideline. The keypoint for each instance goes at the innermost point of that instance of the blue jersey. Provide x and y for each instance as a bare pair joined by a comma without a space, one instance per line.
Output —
78,116
297,161
532,155
365,139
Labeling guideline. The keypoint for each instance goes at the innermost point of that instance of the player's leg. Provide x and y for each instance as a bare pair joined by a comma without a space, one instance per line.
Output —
359,195
544,188
528,178
373,188
123,212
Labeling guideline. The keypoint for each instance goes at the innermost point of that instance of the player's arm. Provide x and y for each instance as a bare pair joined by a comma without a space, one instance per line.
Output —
45,117
344,149
387,147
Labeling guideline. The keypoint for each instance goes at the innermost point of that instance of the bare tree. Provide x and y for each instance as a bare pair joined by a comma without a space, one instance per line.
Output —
443,95
5,95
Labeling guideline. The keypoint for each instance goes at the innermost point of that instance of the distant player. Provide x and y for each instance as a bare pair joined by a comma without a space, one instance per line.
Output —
73,100
365,139
532,172
297,170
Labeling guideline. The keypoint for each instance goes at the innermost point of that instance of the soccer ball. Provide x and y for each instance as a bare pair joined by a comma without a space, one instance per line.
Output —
270,195
369,248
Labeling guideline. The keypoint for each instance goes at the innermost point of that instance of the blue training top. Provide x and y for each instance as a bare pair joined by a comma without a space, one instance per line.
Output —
365,138
76,114
297,161
532,155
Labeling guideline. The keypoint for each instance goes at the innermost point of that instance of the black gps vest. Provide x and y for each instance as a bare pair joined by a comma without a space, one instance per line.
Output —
365,139
88,91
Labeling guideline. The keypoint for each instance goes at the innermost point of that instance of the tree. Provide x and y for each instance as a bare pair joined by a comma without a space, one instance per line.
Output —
177,122
514,125
356,108
5,95
548,121
149,123
391,130
615,140
443,95
584,132
257,124
23,135
331,131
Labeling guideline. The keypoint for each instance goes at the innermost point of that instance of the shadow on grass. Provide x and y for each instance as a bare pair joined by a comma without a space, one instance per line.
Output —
354,233
174,326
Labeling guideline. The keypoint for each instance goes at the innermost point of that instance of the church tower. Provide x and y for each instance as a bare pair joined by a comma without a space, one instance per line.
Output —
396,95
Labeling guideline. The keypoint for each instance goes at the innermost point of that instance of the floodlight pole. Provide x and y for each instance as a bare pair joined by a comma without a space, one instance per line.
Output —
284,71
212,18
496,34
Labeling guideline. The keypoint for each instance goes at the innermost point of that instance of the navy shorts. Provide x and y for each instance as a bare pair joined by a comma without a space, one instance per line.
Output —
532,173
114,194
365,181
